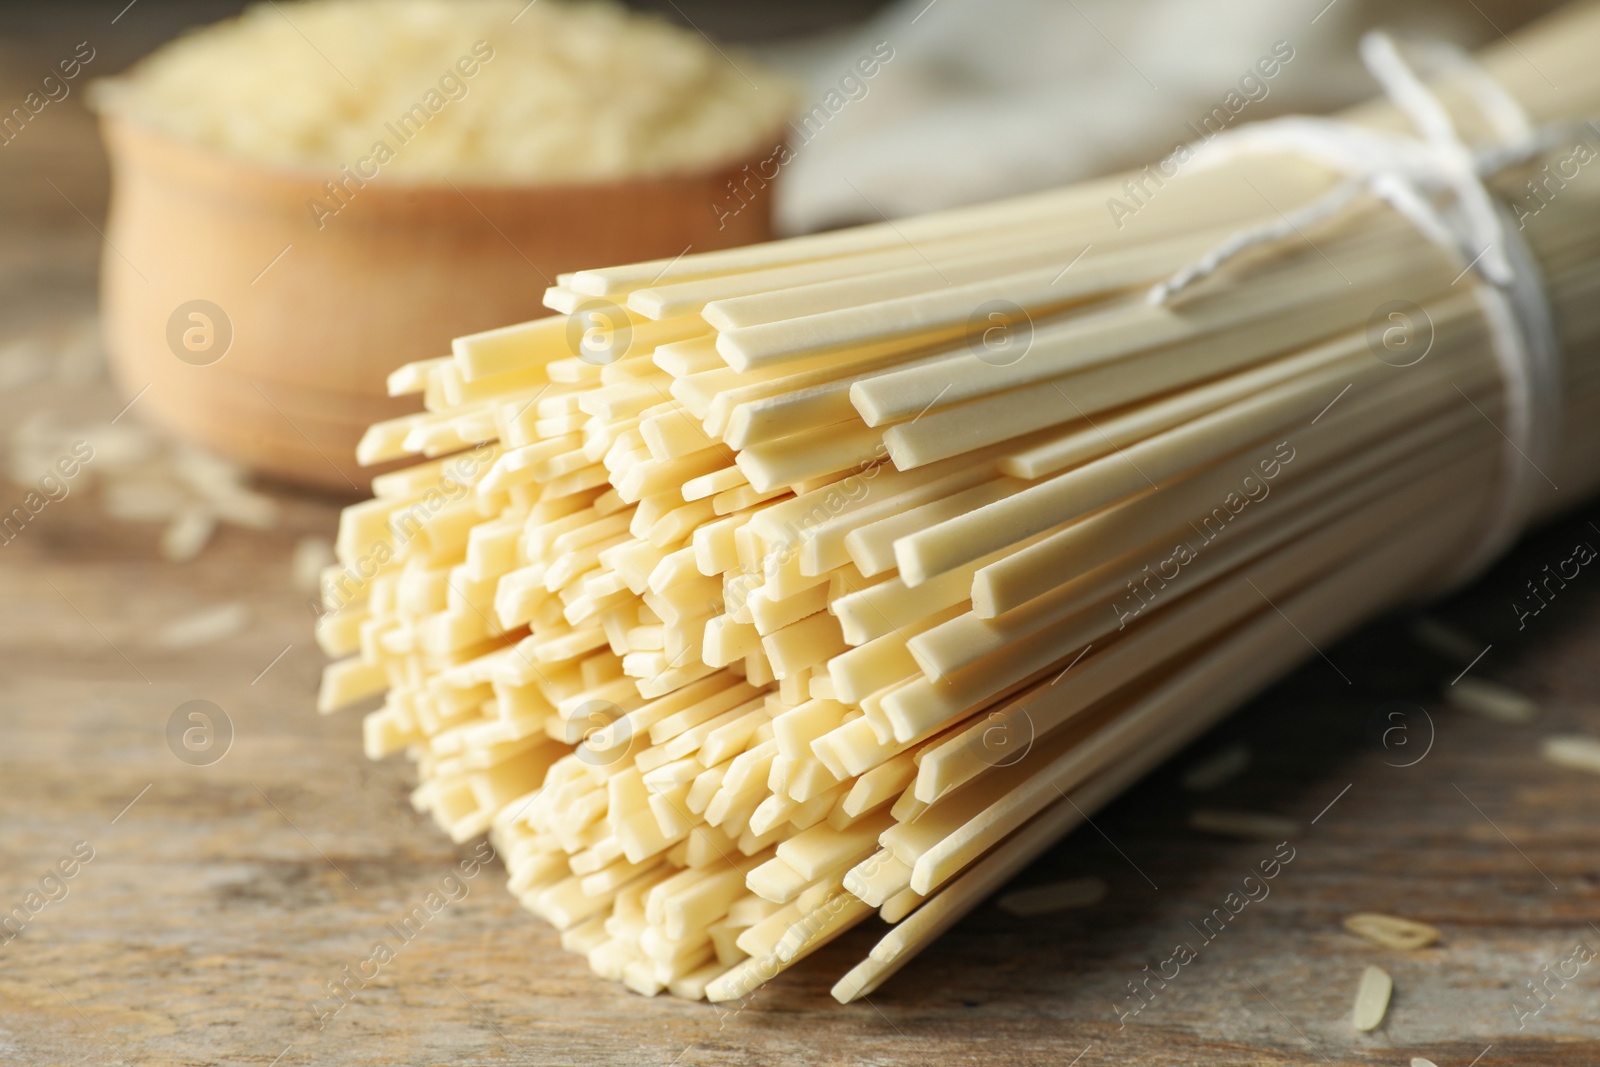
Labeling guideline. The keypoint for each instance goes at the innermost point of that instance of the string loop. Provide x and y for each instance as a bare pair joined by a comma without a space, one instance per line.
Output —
1436,181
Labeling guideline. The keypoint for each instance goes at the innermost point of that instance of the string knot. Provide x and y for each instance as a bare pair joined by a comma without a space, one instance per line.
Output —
1436,181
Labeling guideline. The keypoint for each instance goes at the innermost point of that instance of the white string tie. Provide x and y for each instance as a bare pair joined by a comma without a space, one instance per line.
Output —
1437,182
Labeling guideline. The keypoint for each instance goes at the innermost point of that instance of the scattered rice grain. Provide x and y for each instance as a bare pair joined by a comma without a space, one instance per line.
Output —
1574,751
312,555
1491,700
1444,639
143,478
1216,769
1391,931
203,627
1372,998
187,534
1054,896
242,507
143,500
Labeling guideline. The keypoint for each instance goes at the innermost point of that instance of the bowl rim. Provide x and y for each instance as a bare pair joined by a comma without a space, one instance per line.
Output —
122,120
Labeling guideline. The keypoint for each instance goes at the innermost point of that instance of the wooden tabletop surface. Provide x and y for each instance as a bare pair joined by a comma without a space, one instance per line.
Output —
219,901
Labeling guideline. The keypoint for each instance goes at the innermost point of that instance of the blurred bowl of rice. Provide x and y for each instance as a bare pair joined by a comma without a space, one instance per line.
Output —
311,194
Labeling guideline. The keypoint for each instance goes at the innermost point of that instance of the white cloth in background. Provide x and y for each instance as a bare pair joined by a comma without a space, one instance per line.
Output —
989,98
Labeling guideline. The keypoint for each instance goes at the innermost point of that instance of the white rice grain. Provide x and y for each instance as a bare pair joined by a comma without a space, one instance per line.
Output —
188,534
1491,700
1444,639
1391,931
312,555
1573,751
1372,998
205,627
1053,897
1216,769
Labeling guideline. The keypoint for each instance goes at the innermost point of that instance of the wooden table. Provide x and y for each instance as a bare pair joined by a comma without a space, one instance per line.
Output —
221,900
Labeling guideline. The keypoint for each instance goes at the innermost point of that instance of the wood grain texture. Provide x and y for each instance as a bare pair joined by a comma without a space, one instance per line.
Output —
222,899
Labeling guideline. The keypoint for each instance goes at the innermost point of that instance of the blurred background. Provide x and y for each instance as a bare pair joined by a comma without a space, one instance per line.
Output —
966,102
182,567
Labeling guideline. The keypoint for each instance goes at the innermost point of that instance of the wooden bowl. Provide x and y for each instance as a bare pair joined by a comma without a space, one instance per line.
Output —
247,323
